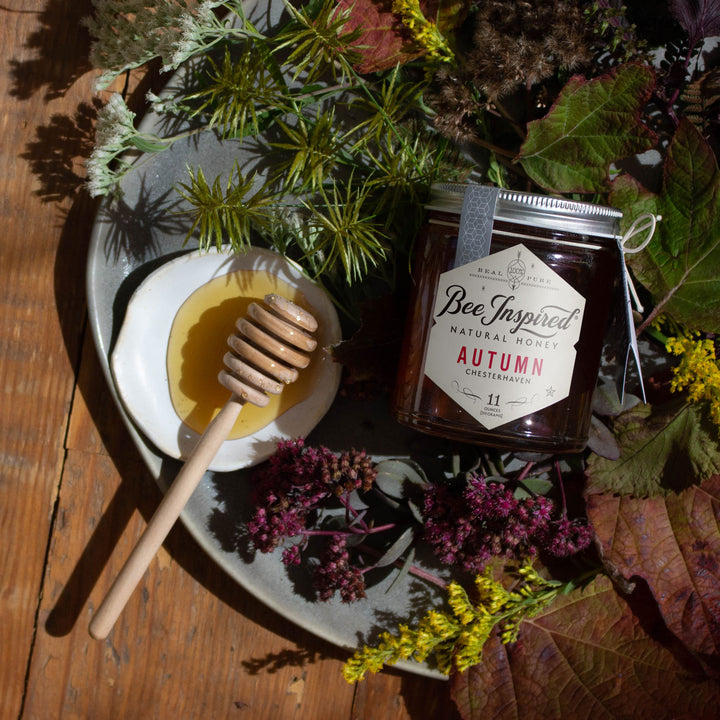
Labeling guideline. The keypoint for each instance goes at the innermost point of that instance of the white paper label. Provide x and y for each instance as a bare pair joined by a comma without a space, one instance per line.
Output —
503,340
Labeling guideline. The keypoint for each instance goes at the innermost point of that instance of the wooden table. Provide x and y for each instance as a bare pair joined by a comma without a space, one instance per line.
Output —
191,643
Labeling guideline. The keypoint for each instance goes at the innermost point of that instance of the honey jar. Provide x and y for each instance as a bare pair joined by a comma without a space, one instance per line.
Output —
504,334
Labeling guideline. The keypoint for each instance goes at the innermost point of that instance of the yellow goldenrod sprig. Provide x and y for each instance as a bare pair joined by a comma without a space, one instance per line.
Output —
456,637
425,32
698,371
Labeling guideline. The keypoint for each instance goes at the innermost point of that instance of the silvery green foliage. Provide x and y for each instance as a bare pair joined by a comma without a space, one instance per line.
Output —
129,33
114,133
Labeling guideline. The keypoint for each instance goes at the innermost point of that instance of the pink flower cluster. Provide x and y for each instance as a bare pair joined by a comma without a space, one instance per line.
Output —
291,489
486,520
336,573
465,527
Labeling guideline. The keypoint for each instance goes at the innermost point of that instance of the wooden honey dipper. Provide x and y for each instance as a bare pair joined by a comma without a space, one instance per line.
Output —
267,352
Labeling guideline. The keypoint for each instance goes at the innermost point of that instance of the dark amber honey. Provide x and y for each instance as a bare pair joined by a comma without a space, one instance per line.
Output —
587,261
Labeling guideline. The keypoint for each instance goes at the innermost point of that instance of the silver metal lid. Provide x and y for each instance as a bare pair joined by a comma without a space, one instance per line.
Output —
536,210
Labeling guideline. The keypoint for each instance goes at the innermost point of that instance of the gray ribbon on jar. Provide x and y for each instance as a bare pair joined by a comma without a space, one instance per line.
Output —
476,223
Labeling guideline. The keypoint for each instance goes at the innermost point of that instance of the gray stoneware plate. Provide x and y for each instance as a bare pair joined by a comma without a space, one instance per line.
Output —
132,237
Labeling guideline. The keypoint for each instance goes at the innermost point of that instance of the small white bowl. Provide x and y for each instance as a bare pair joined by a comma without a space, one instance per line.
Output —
139,359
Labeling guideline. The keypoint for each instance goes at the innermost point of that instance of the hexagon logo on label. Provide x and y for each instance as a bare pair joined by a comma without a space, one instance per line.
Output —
503,340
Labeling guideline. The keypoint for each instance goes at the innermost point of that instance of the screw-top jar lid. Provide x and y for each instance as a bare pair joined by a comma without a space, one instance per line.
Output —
537,210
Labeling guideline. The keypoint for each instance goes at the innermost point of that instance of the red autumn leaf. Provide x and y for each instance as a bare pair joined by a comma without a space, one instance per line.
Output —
673,543
587,656
384,41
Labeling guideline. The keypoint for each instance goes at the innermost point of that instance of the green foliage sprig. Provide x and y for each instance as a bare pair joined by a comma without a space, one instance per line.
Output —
349,153
455,638
240,209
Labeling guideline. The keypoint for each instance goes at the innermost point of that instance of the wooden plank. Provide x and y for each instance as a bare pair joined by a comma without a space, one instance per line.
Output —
191,643
41,310
403,696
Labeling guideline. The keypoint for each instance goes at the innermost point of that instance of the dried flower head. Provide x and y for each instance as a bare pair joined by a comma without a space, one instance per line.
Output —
525,42
129,33
295,483
114,132
336,573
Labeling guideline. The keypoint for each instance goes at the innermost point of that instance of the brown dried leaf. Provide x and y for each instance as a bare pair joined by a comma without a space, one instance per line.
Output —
674,544
587,656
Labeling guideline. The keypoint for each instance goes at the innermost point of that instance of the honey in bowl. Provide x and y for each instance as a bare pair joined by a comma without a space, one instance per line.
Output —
198,341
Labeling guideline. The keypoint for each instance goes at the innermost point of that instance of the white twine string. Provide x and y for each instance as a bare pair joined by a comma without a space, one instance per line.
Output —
645,222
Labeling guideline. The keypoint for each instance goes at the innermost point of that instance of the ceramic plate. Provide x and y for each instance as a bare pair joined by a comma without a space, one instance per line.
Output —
132,237
139,358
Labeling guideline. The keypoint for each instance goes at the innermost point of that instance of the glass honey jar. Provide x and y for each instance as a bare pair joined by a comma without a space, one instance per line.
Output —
505,327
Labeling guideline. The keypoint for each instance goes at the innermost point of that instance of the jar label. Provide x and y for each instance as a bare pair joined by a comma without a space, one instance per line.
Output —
503,339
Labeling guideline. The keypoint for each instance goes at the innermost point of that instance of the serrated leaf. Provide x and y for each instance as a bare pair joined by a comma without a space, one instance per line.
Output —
591,125
586,656
662,450
674,544
681,266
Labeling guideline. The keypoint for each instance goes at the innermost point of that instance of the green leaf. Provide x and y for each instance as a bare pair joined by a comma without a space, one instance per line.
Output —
537,485
586,656
393,475
673,543
601,440
318,39
681,266
400,576
662,450
397,549
606,400
149,145
591,125
228,214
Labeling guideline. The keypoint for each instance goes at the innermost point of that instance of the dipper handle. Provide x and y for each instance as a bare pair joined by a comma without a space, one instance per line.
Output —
267,350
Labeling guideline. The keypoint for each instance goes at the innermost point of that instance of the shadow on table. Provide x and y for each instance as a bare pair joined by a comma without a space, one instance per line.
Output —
60,44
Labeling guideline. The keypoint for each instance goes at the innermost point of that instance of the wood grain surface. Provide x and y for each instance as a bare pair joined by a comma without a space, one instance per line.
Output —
191,643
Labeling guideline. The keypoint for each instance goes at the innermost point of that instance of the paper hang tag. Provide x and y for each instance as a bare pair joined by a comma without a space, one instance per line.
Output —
629,336
646,222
